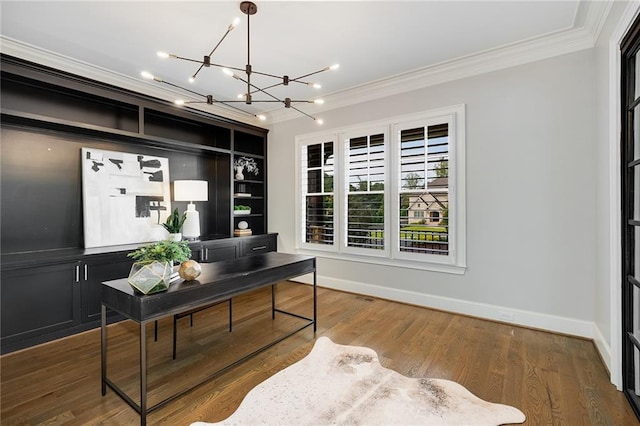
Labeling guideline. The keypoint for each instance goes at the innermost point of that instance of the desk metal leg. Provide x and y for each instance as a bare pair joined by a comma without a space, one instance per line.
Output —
273,301
103,348
143,374
315,301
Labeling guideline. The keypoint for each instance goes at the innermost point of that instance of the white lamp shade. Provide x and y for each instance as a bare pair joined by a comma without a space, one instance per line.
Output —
190,190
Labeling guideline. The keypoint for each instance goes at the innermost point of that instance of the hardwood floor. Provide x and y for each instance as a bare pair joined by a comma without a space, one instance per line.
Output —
553,379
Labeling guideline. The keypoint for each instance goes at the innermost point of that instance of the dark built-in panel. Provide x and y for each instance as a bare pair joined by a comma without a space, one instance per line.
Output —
41,187
249,143
181,129
47,100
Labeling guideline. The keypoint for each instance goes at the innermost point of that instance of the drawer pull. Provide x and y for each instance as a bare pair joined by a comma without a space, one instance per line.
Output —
258,248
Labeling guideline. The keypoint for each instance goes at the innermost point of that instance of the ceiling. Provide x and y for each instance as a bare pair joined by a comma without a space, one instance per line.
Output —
376,43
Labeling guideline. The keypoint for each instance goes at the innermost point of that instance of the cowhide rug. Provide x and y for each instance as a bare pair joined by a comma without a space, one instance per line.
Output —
337,384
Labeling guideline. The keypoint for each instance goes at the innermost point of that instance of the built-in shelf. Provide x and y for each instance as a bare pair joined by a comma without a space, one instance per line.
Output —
50,283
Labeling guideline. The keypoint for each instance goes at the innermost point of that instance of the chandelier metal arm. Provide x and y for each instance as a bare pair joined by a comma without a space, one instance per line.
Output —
229,28
258,89
202,64
310,74
225,103
304,113
281,84
183,88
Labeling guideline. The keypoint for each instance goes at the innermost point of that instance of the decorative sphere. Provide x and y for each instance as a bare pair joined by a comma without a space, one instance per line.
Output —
243,225
189,270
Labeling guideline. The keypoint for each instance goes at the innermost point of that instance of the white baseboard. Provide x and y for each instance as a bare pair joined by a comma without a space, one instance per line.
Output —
603,348
503,314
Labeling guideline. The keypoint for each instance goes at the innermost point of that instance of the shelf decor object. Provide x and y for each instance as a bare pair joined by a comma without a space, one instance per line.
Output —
248,8
173,225
241,210
189,270
151,277
242,230
245,163
191,190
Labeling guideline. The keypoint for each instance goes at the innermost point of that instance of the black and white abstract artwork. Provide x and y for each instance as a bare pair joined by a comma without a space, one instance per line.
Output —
126,197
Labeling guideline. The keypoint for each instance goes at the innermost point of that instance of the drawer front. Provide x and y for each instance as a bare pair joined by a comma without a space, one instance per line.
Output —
252,246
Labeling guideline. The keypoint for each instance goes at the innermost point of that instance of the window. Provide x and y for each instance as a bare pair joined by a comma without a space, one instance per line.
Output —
424,181
389,192
365,171
317,184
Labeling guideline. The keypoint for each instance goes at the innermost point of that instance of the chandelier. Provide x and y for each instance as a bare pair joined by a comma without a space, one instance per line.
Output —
248,8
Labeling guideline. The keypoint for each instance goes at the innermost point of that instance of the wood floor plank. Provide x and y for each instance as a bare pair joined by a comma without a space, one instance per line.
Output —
553,379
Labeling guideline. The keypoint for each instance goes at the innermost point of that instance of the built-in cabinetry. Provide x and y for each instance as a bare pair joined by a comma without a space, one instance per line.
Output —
50,284
50,295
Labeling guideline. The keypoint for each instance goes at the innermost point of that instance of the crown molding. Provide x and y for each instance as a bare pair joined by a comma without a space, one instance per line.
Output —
542,47
51,59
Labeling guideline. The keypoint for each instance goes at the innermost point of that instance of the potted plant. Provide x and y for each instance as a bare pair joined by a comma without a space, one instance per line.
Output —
153,265
174,224
241,209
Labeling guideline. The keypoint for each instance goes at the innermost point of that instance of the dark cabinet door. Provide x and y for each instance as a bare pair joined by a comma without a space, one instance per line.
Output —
93,273
216,254
39,300
214,251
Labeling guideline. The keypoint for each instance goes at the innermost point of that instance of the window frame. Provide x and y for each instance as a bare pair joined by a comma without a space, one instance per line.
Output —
455,261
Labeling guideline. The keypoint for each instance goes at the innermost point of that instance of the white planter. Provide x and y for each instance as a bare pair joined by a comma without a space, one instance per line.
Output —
175,237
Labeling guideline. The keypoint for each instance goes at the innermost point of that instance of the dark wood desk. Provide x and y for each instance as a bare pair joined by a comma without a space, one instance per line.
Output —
218,281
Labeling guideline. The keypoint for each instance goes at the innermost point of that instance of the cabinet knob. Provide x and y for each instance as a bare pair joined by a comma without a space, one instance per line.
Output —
258,248
77,273
86,272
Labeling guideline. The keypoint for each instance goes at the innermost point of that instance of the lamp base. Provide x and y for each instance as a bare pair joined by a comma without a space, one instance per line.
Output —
191,226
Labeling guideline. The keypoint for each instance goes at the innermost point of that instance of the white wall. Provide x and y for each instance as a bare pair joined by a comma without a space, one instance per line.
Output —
531,196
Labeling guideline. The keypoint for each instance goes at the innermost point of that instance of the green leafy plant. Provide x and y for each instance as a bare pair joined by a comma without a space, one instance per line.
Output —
174,222
241,207
162,251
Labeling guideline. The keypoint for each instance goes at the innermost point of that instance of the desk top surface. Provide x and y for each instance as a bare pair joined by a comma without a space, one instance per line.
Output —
218,281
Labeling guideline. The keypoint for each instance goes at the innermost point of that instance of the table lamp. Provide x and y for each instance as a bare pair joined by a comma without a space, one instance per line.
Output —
191,190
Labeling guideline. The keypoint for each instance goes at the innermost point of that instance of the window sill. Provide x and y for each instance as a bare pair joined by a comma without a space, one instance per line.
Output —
397,263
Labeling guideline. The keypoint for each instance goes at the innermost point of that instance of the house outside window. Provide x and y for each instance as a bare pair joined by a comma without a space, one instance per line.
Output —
389,192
